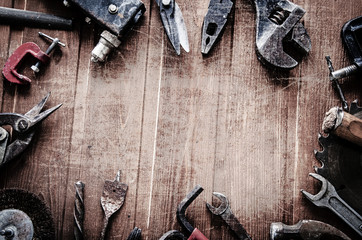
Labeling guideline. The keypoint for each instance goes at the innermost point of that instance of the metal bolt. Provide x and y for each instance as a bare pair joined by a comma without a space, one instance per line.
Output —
112,9
8,233
66,3
166,2
3,134
344,72
23,125
87,20
55,42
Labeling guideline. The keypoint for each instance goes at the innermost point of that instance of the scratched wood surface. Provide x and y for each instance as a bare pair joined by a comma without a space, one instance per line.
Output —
170,122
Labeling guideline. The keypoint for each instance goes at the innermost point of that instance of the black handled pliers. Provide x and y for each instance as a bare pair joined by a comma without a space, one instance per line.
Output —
24,127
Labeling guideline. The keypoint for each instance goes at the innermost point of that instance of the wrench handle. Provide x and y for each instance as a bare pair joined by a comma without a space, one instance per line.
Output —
235,225
197,235
346,213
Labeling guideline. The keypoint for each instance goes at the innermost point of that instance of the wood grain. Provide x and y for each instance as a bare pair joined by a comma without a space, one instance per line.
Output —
170,122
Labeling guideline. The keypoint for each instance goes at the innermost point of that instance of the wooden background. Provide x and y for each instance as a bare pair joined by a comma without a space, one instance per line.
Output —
170,122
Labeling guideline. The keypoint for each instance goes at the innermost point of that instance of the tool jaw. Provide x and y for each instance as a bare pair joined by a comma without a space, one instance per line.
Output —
224,206
214,23
277,23
351,34
24,126
320,199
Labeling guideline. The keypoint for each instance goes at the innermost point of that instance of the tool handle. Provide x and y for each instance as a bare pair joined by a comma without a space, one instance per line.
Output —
343,125
197,235
346,213
13,16
350,129
235,225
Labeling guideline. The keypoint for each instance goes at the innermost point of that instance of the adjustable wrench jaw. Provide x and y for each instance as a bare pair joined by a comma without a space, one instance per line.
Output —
276,21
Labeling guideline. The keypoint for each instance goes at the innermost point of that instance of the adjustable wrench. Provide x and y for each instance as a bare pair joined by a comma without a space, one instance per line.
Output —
278,22
329,198
225,213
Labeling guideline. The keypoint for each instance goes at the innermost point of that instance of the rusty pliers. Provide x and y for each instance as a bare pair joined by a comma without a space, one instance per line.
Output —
24,127
224,211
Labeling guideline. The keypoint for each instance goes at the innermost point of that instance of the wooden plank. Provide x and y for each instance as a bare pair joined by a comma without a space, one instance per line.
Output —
170,122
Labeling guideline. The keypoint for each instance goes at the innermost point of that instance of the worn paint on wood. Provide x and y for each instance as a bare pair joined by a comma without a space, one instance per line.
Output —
170,122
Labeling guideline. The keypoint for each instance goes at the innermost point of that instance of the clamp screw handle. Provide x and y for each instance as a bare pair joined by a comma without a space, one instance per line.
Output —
55,42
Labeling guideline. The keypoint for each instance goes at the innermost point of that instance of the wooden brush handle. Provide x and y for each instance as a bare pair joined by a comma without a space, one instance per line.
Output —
343,125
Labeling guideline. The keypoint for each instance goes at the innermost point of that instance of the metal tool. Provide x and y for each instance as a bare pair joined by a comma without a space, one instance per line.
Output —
214,23
277,24
336,85
173,234
55,42
112,199
117,17
174,24
79,210
14,62
224,211
181,214
17,17
10,70
352,38
341,164
24,126
329,198
135,234
23,215
306,230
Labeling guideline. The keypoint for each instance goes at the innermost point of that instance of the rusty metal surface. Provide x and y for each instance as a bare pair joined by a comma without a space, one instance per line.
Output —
278,22
118,22
15,225
33,207
306,230
328,197
114,194
224,211
78,210
23,125
341,165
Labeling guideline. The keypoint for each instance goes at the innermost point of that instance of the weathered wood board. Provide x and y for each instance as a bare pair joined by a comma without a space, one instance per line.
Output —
170,122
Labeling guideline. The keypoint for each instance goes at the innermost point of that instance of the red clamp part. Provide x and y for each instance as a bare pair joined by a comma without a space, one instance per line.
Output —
10,68
197,235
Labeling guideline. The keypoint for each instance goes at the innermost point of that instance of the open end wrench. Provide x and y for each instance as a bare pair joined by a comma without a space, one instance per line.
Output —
225,213
329,198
